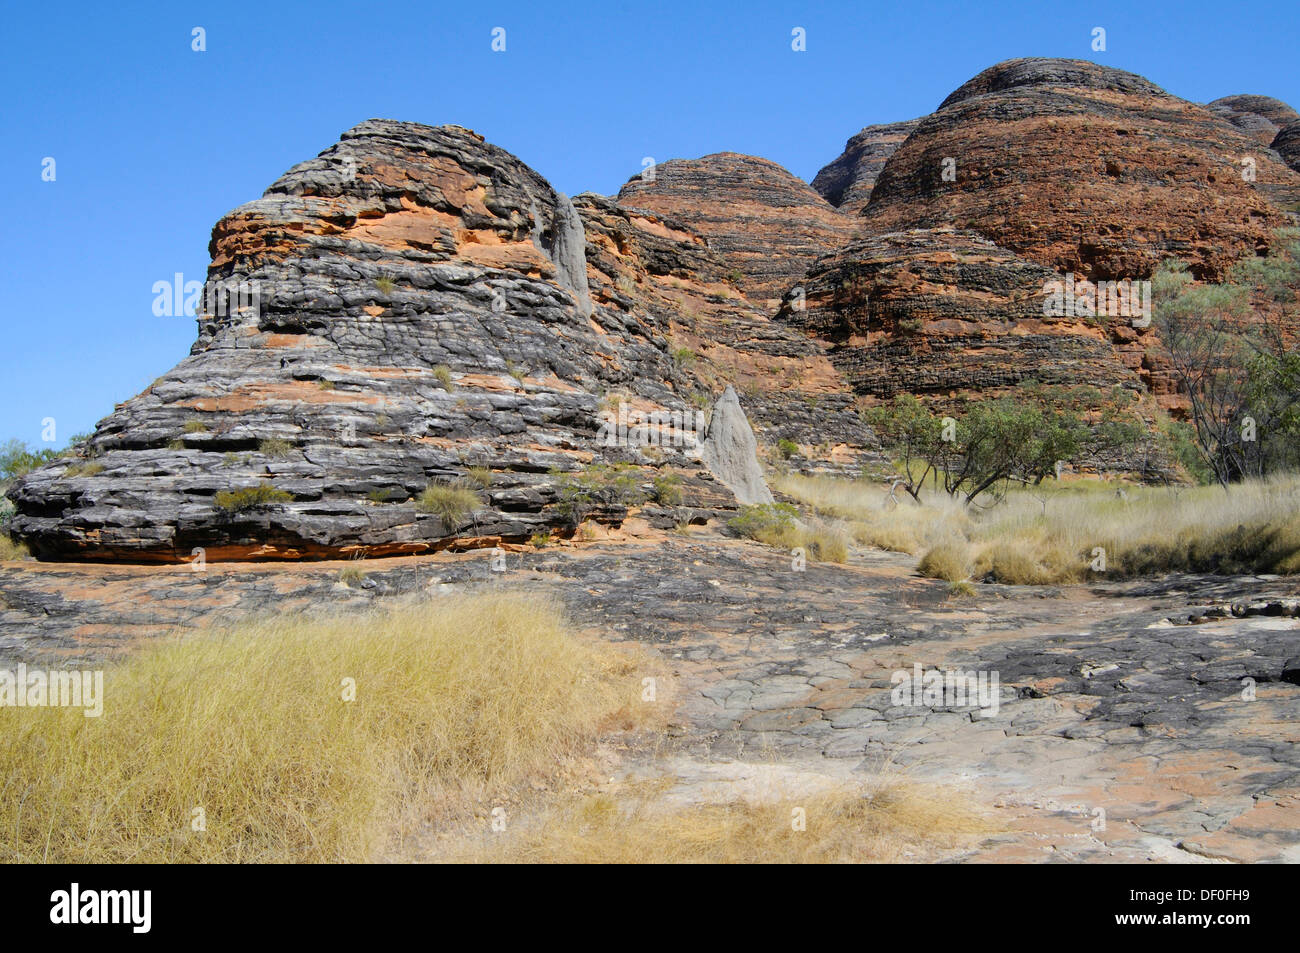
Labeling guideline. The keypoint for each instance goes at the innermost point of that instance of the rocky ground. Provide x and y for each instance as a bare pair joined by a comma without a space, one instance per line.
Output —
1122,732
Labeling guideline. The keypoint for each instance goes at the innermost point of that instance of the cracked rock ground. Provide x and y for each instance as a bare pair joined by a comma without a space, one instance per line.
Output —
1122,733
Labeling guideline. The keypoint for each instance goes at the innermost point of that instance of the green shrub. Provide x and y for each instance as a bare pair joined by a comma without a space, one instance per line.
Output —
771,523
248,497
599,484
787,448
682,356
668,489
275,448
16,459
541,539
195,426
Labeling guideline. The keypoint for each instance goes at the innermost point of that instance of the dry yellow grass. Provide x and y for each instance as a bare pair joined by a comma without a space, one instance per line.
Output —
845,824
9,549
1058,532
777,525
455,699
872,517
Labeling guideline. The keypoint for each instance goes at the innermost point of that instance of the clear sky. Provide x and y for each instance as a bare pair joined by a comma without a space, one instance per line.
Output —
153,142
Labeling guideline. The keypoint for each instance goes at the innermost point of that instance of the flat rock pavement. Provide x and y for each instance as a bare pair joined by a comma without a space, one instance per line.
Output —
1117,729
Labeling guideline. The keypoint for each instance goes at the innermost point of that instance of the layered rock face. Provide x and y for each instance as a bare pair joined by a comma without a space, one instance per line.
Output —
943,313
1287,145
1033,172
1085,169
422,308
417,307
1260,117
847,182
766,225
643,262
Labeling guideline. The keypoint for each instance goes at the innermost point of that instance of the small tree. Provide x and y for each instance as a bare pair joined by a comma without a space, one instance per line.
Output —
1234,362
994,443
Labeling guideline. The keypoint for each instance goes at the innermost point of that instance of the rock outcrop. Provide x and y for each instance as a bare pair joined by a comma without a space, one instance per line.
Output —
420,308
847,182
1287,145
641,261
730,451
1260,117
940,312
417,307
764,224
1085,169
417,310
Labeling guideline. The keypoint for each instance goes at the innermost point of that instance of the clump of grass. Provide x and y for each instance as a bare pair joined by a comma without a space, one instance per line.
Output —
377,723
249,497
275,448
442,374
176,443
325,385
385,284
10,548
452,503
352,575
83,469
826,542
541,539
514,371
378,496
480,476
949,561
195,426
1018,562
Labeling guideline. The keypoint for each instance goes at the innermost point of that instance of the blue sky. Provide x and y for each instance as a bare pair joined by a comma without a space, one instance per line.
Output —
153,142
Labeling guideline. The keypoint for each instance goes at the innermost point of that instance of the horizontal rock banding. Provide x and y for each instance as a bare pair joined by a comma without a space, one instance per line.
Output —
766,225
1085,169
